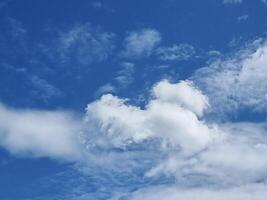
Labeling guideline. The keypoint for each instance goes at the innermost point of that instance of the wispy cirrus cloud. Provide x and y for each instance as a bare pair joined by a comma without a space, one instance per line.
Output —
122,79
43,90
84,44
176,52
124,76
232,1
253,191
238,82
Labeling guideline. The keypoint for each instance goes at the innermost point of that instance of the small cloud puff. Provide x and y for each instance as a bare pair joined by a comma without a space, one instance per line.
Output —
141,43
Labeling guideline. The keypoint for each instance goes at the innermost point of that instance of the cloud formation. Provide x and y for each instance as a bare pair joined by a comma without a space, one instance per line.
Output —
84,44
39,133
176,52
166,117
248,192
169,138
166,139
202,156
232,1
141,43
237,83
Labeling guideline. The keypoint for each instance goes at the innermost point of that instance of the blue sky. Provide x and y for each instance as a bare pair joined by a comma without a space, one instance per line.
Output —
132,100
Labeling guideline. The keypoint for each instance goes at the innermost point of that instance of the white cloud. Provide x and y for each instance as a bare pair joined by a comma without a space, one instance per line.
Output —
176,52
183,93
219,161
233,166
167,137
238,82
141,43
247,192
39,133
166,117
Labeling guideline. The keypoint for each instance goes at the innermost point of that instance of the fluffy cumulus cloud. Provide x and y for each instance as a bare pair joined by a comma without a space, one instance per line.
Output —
237,83
165,117
141,43
39,133
112,123
183,93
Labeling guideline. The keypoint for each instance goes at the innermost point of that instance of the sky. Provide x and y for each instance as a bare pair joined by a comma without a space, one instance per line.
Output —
133,100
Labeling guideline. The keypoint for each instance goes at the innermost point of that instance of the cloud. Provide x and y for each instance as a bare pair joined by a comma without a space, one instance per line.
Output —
141,43
238,82
202,156
122,80
166,147
239,139
43,89
248,192
134,153
232,1
176,52
242,18
97,4
184,94
84,44
107,88
102,5
166,117
39,133
125,75
13,38
15,27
